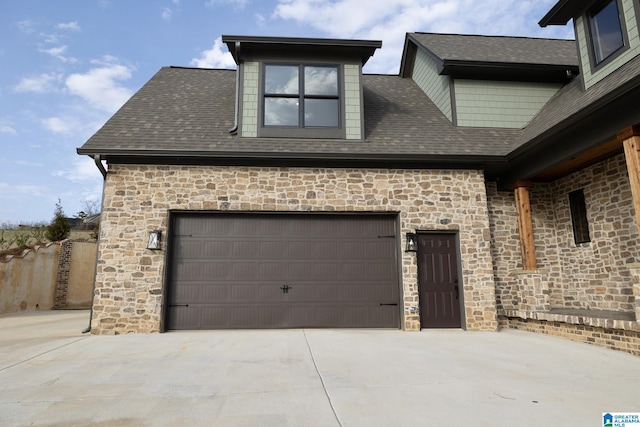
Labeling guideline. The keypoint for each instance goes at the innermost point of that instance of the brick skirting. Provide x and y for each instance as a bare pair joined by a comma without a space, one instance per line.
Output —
615,339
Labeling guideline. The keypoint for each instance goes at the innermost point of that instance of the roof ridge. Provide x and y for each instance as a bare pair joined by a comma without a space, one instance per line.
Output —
490,36
184,67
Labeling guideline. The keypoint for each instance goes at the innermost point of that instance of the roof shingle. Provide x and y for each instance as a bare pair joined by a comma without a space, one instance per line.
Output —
190,111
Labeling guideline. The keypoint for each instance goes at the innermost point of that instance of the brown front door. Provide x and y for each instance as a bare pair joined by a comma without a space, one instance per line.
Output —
438,282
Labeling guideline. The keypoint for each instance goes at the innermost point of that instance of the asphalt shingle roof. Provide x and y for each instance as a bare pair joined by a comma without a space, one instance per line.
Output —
190,111
499,49
572,99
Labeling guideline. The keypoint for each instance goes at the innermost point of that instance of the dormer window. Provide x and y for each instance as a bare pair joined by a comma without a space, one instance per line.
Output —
607,30
300,88
301,100
302,96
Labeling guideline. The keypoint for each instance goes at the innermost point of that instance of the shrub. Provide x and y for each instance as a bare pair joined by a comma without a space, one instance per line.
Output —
39,235
22,240
59,229
5,243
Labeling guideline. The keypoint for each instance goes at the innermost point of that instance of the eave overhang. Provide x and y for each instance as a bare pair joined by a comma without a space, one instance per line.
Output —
551,73
593,126
291,159
487,70
562,12
250,47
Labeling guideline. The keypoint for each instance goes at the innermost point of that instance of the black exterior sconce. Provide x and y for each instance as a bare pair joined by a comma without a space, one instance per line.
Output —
412,242
155,238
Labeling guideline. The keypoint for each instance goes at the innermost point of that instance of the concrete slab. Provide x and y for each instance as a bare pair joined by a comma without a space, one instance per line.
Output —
52,375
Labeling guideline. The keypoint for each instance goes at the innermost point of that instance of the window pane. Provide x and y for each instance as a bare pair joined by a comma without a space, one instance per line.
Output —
321,81
606,31
280,112
281,79
321,112
578,208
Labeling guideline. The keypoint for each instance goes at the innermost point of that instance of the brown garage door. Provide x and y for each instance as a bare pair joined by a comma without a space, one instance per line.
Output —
283,271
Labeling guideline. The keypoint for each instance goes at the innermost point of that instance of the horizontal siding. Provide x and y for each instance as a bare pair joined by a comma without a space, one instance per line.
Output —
352,102
250,89
435,86
500,104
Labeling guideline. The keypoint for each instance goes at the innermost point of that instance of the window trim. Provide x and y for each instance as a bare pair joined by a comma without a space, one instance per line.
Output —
274,131
599,5
579,217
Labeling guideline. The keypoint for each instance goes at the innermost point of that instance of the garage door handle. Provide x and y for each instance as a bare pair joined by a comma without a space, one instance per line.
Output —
178,305
389,304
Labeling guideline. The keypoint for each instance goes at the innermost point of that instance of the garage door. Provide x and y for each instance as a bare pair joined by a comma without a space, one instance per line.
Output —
283,271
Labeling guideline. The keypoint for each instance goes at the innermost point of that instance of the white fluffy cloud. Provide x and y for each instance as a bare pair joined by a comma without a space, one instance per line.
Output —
81,169
58,52
215,57
166,14
12,191
38,84
390,20
8,129
57,125
71,26
236,3
101,86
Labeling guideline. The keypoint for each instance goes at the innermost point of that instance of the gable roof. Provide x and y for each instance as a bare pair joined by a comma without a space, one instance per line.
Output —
186,113
497,57
504,49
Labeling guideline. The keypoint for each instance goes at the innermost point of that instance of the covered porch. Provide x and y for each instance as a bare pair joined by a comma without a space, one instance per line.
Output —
555,288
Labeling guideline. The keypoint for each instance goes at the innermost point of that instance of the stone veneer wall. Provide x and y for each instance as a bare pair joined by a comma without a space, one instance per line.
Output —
592,275
596,273
505,245
129,279
615,339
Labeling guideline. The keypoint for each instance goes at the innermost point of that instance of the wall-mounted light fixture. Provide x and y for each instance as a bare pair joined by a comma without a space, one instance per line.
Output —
155,237
412,242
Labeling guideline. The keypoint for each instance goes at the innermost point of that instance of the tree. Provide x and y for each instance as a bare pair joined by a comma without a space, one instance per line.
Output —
90,207
59,228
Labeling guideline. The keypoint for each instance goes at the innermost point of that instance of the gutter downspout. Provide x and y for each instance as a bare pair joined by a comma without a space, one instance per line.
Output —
234,129
103,171
100,166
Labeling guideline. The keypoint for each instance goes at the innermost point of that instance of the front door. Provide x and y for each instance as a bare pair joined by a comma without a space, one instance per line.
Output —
438,281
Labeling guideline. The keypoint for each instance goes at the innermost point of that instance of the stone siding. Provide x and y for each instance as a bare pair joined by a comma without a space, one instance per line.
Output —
615,339
593,275
129,279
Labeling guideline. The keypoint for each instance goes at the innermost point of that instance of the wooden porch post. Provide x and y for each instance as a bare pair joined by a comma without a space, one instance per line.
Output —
525,225
630,138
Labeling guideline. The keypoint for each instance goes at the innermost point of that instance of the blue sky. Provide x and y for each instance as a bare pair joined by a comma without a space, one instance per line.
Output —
68,65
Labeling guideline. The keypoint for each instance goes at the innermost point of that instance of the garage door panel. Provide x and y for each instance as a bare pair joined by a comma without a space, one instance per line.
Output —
283,271
211,269
187,292
213,249
215,293
190,270
272,271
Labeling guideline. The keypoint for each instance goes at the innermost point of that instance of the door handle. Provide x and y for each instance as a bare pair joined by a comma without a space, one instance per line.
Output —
285,289
457,291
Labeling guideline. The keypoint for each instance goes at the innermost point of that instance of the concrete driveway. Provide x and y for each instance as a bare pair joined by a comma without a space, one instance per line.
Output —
52,375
